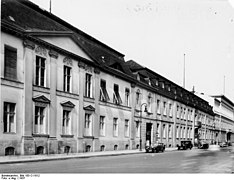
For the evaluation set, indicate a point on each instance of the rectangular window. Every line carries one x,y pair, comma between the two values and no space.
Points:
39,120
66,126
158,106
10,68
115,126
88,85
181,113
170,110
127,93
169,131
188,133
137,129
116,96
149,103
67,79
158,130
164,131
177,131
102,126
177,112
103,92
88,125
40,71
9,118
164,108
137,98
184,135
184,113
126,128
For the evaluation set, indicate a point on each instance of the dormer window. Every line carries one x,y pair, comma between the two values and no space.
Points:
163,85
156,82
169,87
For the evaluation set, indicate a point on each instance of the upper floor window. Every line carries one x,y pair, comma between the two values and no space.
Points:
67,79
115,126
103,92
177,131
88,85
164,108
169,87
127,93
156,82
169,131
102,125
158,106
164,131
158,129
116,96
66,126
9,118
88,125
170,110
178,112
40,71
10,66
149,102
138,97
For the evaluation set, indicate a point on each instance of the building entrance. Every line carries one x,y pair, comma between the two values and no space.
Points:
148,132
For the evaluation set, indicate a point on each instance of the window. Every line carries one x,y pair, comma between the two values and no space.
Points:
66,125
137,129
67,149
156,82
88,85
9,118
181,132
9,151
164,108
10,68
163,85
103,92
88,148
126,147
169,87
67,79
169,131
158,130
177,113
138,97
39,122
102,125
102,148
188,133
115,126
115,147
158,106
184,135
177,131
88,125
116,96
40,71
127,93
164,131
170,110
126,128
40,150
149,102
184,113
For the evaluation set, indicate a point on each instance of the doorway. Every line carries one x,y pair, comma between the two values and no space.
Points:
148,133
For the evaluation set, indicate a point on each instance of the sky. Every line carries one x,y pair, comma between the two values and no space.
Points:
157,34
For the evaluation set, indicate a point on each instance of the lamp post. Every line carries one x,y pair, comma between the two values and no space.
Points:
141,123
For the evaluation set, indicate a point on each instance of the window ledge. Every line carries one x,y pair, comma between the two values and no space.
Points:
41,135
90,137
10,133
66,136
11,82
41,89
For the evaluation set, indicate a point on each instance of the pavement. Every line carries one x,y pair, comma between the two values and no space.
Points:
35,158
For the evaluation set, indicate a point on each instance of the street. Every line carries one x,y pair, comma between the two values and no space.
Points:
188,161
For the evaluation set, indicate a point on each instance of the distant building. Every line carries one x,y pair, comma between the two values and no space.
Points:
63,91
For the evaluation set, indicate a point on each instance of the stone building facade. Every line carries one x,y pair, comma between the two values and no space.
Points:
63,91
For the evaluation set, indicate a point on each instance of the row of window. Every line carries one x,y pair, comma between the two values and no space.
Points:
10,72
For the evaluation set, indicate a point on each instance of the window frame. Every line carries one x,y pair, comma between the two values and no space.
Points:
126,128
66,122
40,71
88,124
102,125
8,114
67,79
9,71
127,97
88,85
103,92
115,127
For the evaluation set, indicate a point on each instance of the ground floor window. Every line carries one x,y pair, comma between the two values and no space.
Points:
40,150
102,148
9,151
88,148
115,147
126,147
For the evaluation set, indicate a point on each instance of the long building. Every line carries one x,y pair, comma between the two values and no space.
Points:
63,91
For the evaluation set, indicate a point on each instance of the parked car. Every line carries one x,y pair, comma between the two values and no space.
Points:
223,144
185,145
203,145
155,148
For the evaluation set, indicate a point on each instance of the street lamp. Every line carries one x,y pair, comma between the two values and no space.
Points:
141,122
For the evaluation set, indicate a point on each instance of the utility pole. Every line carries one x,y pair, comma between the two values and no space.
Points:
50,6
184,74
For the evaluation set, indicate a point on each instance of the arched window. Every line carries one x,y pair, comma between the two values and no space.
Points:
115,147
126,147
102,148
67,149
88,148
9,151
40,150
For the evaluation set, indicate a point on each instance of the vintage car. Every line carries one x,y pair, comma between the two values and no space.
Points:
223,144
155,148
185,145
203,145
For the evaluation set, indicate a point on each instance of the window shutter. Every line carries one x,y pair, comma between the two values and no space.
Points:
10,63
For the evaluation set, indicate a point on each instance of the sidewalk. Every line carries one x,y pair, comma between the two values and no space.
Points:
34,158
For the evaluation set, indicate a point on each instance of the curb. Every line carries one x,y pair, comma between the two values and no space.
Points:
72,157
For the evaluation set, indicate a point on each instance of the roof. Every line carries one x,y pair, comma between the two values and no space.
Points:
223,97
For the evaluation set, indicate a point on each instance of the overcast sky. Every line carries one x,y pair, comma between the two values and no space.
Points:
157,34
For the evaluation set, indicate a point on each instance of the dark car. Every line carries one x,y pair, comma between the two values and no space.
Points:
155,148
203,145
185,145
